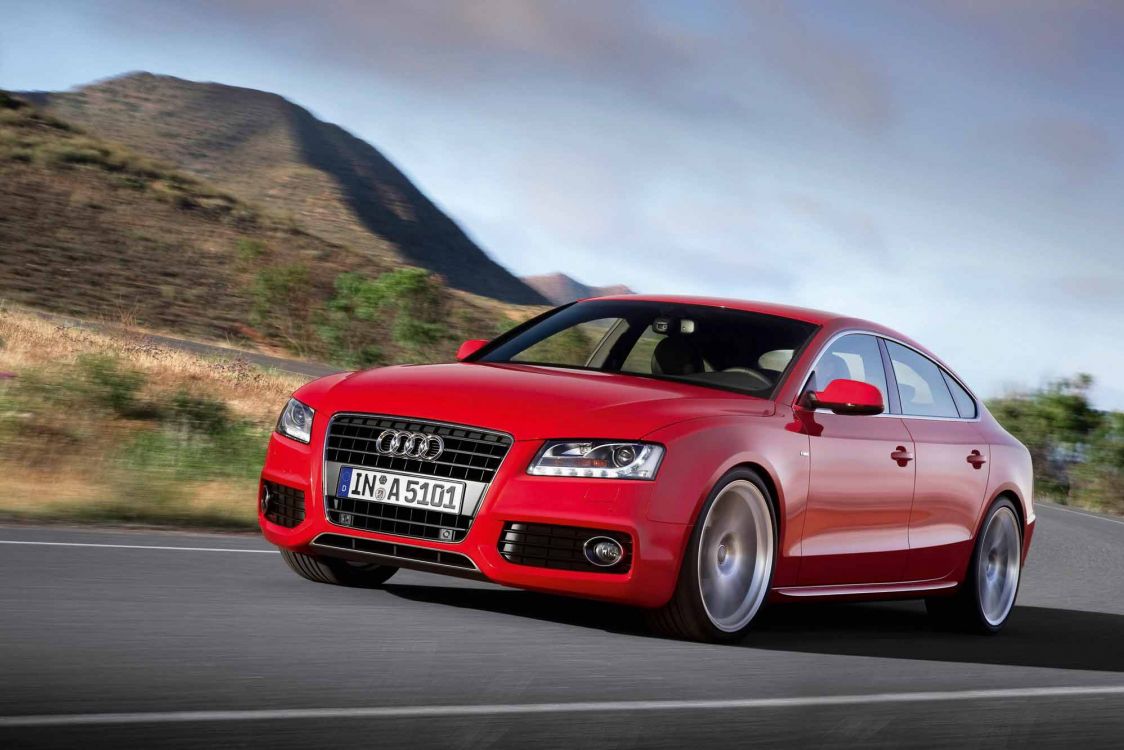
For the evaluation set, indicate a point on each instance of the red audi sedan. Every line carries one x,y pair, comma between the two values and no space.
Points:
694,457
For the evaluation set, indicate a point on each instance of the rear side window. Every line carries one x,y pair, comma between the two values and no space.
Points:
965,404
921,384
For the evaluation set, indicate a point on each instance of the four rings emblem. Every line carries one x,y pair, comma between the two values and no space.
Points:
410,444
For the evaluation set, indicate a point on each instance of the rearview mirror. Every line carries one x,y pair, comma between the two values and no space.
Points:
844,396
470,347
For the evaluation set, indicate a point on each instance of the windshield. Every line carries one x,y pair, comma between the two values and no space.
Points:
708,346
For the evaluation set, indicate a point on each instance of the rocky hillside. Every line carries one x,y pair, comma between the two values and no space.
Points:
560,288
271,152
90,228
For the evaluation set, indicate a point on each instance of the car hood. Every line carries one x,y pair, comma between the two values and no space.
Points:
528,402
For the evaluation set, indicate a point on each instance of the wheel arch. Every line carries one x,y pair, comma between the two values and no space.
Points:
773,496
1009,492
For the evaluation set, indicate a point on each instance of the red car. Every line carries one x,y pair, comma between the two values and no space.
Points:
695,457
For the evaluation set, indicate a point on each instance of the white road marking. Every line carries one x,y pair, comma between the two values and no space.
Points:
138,546
400,712
1052,506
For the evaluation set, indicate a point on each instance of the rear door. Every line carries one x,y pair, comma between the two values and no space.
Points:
952,463
859,497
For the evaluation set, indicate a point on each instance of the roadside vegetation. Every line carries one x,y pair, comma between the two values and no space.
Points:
111,428
1078,451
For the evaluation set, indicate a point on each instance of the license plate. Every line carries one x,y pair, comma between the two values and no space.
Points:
399,489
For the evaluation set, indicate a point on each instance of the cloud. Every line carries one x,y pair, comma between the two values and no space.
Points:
1079,150
855,231
840,75
727,64
1049,36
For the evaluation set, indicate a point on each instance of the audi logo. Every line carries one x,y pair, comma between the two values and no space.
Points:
410,445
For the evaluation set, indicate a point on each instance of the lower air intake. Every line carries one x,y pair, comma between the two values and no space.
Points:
560,547
282,505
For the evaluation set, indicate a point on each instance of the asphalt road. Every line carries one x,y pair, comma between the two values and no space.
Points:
136,644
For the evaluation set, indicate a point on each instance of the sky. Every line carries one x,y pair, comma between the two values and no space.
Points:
950,169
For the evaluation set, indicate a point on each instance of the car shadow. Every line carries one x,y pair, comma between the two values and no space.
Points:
1034,636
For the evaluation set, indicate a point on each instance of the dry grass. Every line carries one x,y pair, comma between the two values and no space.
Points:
250,392
69,451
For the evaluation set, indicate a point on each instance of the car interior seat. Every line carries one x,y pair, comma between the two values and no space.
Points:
676,355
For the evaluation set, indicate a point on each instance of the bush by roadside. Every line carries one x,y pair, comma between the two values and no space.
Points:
105,428
1078,451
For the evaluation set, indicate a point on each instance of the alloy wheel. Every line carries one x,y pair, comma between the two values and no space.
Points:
735,555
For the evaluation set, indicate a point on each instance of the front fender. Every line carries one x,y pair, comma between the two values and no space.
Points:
701,451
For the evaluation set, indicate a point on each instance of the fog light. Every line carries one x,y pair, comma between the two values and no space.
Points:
603,551
265,498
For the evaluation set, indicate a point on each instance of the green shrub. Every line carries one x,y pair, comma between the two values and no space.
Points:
406,305
199,414
1078,451
248,251
281,304
110,386
168,454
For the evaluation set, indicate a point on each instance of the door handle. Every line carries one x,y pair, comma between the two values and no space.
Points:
976,459
901,455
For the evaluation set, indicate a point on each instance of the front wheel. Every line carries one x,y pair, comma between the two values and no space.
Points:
726,574
337,571
986,597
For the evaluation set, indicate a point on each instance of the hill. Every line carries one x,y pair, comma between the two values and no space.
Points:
269,151
560,288
92,229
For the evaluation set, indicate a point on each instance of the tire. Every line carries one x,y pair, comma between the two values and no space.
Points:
336,571
735,542
986,597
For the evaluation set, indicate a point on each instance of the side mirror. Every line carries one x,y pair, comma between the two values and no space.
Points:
470,347
848,397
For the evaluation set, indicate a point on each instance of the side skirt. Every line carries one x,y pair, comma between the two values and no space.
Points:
901,590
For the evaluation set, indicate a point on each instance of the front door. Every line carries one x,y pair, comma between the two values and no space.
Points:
861,483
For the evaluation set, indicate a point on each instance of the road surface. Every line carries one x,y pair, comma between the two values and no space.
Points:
120,638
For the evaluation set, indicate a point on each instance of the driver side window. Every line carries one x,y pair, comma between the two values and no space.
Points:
851,357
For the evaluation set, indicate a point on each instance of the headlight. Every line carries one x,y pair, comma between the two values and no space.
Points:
296,421
608,459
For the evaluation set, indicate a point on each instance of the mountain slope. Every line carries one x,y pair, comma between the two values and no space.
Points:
560,288
272,152
92,229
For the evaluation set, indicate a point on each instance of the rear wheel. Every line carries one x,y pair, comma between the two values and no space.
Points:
728,569
336,571
986,597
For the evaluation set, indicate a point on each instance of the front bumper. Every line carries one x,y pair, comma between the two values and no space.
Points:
513,496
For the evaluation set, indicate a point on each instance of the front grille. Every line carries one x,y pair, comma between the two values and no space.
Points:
397,519
401,551
282,505
470,454
560,547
